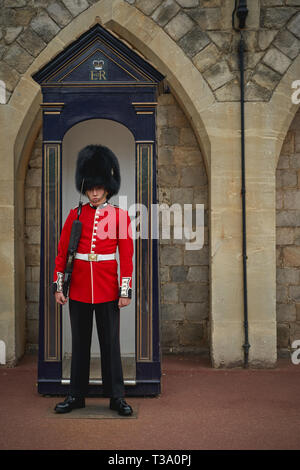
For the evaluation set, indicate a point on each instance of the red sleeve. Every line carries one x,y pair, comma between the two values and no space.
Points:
125,246
62,249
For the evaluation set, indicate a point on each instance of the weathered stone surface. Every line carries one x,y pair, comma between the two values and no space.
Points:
172,312
192,292
288,276
207,18
291,256
229,92
276,18
284,236
178,273
295,292
288,218
196,311
265,37
266,77
165,12
169,136
188,3
59,14
31,42
294,25
222,39
283,336
182,195
168,176
148,6
277,60
193,176
287,43
18,58
170,292
194,41
286,312
76,6
218,74
9,75
23,16
207,57
45,27
171,256
12,34
190,334
254,92
180,25
198,273
197,257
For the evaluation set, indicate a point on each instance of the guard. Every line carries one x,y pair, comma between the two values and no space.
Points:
94,282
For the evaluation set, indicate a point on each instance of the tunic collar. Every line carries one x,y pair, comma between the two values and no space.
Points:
104,204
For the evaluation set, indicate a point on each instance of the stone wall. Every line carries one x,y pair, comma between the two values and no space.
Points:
33,183
288,239
202,28
184,276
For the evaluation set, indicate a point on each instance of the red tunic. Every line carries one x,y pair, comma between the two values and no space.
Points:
103,231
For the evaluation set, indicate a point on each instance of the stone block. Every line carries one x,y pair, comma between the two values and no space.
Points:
289,179
168,136
34,177
222,40
266,77
165,156
254,92
191,334
24,16
18,58
30,198
229,92
172,312
291,199
285,235
182,195
291,256
188,3
194,41
178,273
147,6
297,236
171,256
164,274
277,60
31,42
207,57
288,146
265,37
33,217
294,292
193,292
295,161
288,218
59,14
187,156
283,335
197,257
12,33
44,27
169,334
198,273
76,7
207,18
165,12
294,25
287,43
170,292
276,18
281,293
193,176
288,276
187,137
32,235
196,311
218,75
283,162
32,291
168,176
32,255
286,313
180,25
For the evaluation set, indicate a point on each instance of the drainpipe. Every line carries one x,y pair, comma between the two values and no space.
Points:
241,12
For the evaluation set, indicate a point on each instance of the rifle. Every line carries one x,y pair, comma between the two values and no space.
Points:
72,248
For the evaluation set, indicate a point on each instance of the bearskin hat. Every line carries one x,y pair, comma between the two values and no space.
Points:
97,165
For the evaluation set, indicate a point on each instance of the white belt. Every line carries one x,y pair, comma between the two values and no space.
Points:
95,256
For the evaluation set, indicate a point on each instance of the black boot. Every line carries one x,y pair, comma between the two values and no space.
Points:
120,405
69,404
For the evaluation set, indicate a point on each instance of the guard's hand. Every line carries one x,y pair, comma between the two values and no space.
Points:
123,302
60,298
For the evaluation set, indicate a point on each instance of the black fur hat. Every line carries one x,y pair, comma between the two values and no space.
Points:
98,166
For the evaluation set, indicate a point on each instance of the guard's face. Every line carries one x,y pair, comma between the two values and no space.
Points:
96,195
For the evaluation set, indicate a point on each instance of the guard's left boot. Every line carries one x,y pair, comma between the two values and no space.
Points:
70,403
120,405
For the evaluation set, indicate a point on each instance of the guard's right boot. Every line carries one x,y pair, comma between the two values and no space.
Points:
69,404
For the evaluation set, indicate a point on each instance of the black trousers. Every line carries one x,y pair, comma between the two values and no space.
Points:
108,329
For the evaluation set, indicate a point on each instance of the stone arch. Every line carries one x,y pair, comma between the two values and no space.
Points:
190,89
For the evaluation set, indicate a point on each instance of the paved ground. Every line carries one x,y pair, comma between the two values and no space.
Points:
199,408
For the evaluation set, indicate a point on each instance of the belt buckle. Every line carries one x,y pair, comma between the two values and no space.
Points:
92,257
